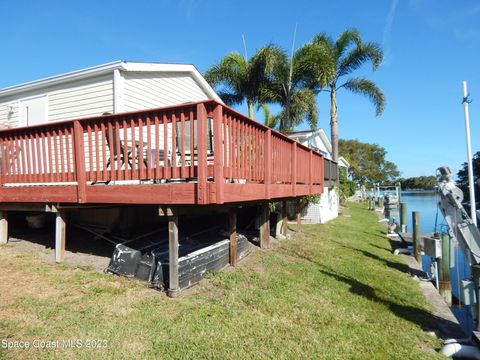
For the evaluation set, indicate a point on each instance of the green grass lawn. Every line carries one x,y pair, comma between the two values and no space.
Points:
332,291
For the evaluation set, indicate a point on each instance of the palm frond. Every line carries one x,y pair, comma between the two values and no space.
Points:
231,99
368,88
346,39
313,65
358,56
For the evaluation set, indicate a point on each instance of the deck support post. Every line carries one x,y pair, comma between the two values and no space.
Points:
60,234
173,283
284,219
264,226
232,227
3,227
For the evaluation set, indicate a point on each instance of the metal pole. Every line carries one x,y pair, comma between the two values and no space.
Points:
417,245
444,273
403,217
473,212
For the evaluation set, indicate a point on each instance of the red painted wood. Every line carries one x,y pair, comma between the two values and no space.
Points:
192,142
243,151
268,164
174,145
62,155
117,147
39,194
202,154
127,169
294,166
149,147
98,174
218,153
166,166
142,173
68,149
91,176
179,193
111,144
157,148
80,162
134,150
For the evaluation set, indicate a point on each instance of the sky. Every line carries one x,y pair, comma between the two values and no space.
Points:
430,47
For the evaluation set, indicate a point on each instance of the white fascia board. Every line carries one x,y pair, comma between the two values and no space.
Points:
58,79
325,140
341,160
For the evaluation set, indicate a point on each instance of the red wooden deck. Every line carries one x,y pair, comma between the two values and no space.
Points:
150,157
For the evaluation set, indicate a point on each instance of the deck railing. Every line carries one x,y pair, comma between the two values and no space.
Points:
204,142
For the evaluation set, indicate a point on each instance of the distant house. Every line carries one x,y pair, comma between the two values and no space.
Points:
318,141
110,88
328,207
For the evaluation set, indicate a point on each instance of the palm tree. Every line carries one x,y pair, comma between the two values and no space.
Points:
269,120
241,79
347,54
289,85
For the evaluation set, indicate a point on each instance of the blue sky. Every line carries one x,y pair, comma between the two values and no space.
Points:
430,47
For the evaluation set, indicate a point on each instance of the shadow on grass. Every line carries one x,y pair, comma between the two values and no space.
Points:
379,234
416,315
392,264
379,247
426,320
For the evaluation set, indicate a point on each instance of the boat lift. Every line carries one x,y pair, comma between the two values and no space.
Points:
463,230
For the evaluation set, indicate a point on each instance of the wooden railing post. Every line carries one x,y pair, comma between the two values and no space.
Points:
310,173
268,164
294,170
79,155
202,154
218,152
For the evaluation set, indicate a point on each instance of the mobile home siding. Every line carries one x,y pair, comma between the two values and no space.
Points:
155,89
7,117
69,100
84,98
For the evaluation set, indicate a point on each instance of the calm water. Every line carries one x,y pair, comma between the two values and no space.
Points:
426,203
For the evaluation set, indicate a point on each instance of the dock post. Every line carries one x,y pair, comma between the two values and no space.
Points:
3,227
380,203
60,235
284,218
417,240
444,273
232,227
403,217
173,283
264,226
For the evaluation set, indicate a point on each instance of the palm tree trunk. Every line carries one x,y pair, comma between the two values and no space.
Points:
250,109
334,123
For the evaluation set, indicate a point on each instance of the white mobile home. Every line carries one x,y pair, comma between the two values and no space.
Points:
110,88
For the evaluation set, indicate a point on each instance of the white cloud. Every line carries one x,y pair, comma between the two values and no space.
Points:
387,30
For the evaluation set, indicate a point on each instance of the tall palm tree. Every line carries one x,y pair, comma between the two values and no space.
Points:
241,79
347,54
289,85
